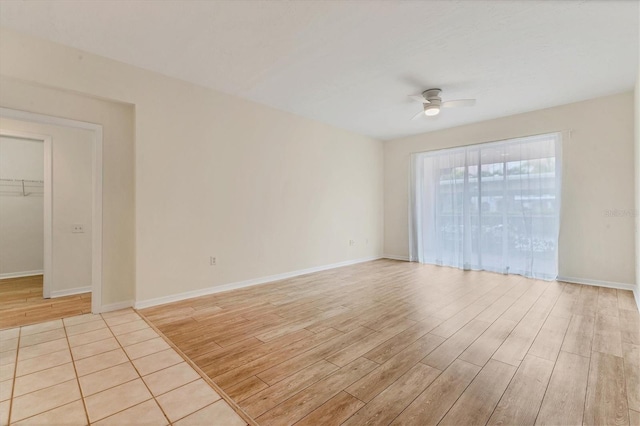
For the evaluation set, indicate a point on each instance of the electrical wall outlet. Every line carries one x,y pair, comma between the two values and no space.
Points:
352,242
212,261
77,228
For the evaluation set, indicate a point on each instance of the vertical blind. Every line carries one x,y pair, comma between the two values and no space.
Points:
493,206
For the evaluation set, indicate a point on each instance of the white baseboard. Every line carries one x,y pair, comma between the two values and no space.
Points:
598,283
21,274
394,257
70,291
608,284
248,283
116,306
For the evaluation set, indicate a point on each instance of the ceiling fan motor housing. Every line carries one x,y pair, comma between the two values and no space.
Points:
433,96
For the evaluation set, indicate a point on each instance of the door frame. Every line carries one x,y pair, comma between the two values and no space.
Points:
96,193
47,203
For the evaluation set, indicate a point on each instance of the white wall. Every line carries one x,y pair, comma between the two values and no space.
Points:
598,171
264,191
72,174
72,196
21,218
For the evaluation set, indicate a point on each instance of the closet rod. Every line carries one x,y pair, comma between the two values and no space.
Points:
21,180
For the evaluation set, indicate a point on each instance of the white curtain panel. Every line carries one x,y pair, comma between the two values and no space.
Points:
493,206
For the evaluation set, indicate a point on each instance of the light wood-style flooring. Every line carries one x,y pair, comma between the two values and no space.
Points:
21,303
389,342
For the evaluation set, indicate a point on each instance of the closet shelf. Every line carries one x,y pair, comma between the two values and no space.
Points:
21,187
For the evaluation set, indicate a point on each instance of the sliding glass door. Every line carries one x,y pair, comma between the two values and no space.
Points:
492,206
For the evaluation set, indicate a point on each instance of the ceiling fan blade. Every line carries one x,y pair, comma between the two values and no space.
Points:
421,113
419,98
458,103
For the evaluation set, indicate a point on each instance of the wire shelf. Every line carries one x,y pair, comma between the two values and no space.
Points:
21,187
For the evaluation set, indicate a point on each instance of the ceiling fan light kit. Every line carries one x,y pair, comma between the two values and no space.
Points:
431,109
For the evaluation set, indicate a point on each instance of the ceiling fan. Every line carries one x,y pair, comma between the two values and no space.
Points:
432,103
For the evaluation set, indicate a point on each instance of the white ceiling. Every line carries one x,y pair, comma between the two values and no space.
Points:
353,63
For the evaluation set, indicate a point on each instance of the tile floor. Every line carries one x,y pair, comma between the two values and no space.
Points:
109,369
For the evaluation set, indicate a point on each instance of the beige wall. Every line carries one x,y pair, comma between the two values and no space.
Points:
21,217
598,175
263,191
637,181
72,191
267,192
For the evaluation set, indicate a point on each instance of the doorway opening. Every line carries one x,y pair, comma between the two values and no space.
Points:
69,189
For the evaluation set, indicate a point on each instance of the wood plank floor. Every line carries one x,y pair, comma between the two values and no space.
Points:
388,342
21,303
